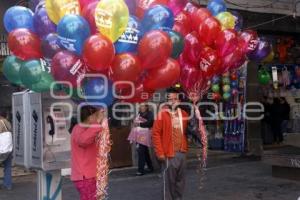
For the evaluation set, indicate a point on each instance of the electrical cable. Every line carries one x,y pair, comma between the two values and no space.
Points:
268,22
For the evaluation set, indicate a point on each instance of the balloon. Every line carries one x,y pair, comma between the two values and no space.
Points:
18,17
45,83
154,49
126,67
50,46
215,88
11,69
143,5
31,72
85,3
177,42
239,21
248,41
66,66
24,44
262,50
157,17
140,94
216,96
216,80
216,7
226,42
199,16
192,49
233,60
72,31
131,4
180,28
270,57
164,76
227,20
98,52
226,96
234,77
225,80
189,76
234,92
183,20
98,91
234,84
210,63
190,7
42,23
88,13
128,42
209,30
177,6
264,77
57,9
112,17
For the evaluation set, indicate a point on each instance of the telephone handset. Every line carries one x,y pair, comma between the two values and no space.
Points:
51,132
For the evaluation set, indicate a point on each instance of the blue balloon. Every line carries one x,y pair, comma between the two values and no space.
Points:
216,80
216,7
98,91
158,17
18,17
128,42
72,31
234,84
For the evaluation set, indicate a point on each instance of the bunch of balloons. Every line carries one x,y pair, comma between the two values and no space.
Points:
214,44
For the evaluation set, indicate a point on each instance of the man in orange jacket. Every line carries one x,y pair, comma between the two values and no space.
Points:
170,144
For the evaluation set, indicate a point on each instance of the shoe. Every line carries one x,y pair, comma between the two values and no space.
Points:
139,174
6,188
148,171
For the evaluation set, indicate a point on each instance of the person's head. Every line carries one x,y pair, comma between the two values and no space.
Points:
144,107
282,100
173,97
276,101
88,112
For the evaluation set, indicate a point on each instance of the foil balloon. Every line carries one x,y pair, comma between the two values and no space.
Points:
72,31
248,41
143,5
239,21
66,66
192,48
210,63
24,44
199,16
227,20
128,41
226,42
11,69
112,17
98,52
262,50
88,13
18,17
31,72
50,46
209,30
42,23
216,7
57,9
177,42
177,6
157,17
154,49
163,76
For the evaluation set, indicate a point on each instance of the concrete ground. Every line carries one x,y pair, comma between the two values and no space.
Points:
227,178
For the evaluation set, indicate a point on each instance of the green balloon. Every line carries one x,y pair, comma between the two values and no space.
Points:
178,43
215,88
226,80
226,96
264,77
11,69
44,85
31,72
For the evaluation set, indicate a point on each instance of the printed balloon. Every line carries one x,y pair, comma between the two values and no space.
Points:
18,17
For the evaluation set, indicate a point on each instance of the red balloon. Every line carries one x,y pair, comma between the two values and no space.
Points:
216,96
164,76
98,52
143,5
210,63
154,49
248,41
192,48
189,75
180,28
68,67
88,13
233,76
125,67
140,94
233,60
84,3
226,42
24,44
183,19
209,30
190,8
199,17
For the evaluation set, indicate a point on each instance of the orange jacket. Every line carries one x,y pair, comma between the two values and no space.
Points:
162,134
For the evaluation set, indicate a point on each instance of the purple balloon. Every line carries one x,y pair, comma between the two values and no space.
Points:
42,23
239,21
50,46
262,50
131,6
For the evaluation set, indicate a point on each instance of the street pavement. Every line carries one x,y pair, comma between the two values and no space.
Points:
227,178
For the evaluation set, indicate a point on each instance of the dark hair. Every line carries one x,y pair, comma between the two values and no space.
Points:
174,90
87,111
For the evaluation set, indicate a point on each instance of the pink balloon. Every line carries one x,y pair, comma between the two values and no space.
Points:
233,60
177,6
84,3
88,13
189,75
249,41
192,48
226,42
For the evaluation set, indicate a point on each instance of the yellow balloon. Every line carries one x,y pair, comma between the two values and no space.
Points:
111,18
57,9
270,57
227,20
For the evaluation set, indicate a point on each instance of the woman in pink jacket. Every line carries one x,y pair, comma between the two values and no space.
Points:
84,151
